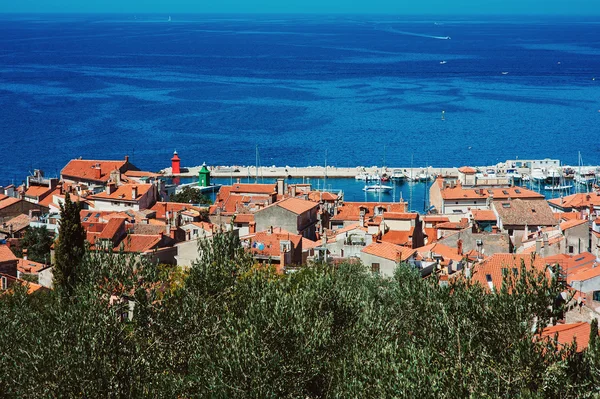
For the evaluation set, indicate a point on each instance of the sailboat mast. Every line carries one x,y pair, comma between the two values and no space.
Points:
256,181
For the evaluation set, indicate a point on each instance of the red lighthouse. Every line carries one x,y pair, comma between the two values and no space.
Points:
175,164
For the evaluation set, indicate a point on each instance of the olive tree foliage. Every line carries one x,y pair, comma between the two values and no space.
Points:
228,328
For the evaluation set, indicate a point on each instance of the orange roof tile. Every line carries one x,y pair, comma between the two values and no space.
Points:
37,191
459,193
244,218
578,201
317,196
446,252
491,269
253,188
112,228
31,287
566,333
403,238
8,201
350,211
271,242
351,227
483,215
572,223
139,243
435,218
18,223
81,169
29,266
400,216
296,205
389,251
125,192
6,254
467,170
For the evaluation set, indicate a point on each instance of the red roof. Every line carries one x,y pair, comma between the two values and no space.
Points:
446,252
6,254
467,170
37,191
389,251
459,193
491,269
579,201
400,216
125,193
271,242
81,169
139,243
296,205
317,196
112,228
29,266
403,238
161,208
8,201
483,215
252,188
350,211
244,218
572,223
566,333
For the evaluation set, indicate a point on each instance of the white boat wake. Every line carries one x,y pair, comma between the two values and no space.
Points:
401,32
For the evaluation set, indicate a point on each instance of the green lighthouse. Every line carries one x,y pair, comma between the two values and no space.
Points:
204,176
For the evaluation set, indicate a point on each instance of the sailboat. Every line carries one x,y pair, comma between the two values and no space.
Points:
169,18
378,188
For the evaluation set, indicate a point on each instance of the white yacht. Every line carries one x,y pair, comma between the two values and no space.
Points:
377,188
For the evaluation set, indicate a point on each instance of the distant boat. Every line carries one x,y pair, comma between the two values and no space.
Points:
504,73
169,18
443,62
558,187
378,188
447,38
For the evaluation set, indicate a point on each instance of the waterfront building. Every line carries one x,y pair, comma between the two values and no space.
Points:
587,204
94,174
452,198
126,196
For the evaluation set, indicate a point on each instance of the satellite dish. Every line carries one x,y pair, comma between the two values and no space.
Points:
261,246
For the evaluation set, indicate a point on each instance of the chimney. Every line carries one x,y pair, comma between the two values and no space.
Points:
459,245
280,186
127,158
97,172
110,188
270,231
361,218
538,246
25,254
134,192
494,229
252,227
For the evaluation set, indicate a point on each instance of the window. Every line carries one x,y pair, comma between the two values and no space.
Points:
571,249
505,205
375,267
596,296
504,192
488,277
515,271
518,191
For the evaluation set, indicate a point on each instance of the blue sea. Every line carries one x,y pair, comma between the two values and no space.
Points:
359,88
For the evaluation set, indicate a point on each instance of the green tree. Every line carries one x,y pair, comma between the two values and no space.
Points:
190,195
37,241
70,246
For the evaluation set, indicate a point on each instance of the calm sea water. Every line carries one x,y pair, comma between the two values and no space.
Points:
214,87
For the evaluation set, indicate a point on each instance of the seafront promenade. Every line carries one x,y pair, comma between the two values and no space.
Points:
306,171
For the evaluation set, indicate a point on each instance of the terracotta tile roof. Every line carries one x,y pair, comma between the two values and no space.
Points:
578,201
240,188
491,269
271,242
49,199
483,215
31,287
29,266
350,211
459,193
309,244
446,252
139,243
316,196
467,170
6,254
463,224
431,233
400,216
18,223
435,218
518,212
296,205
584,275
244,218
111,229
124,193
403,238
565,216
37,191
8,201
204,226
389,251
161,208
572,223
566,333
81,169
